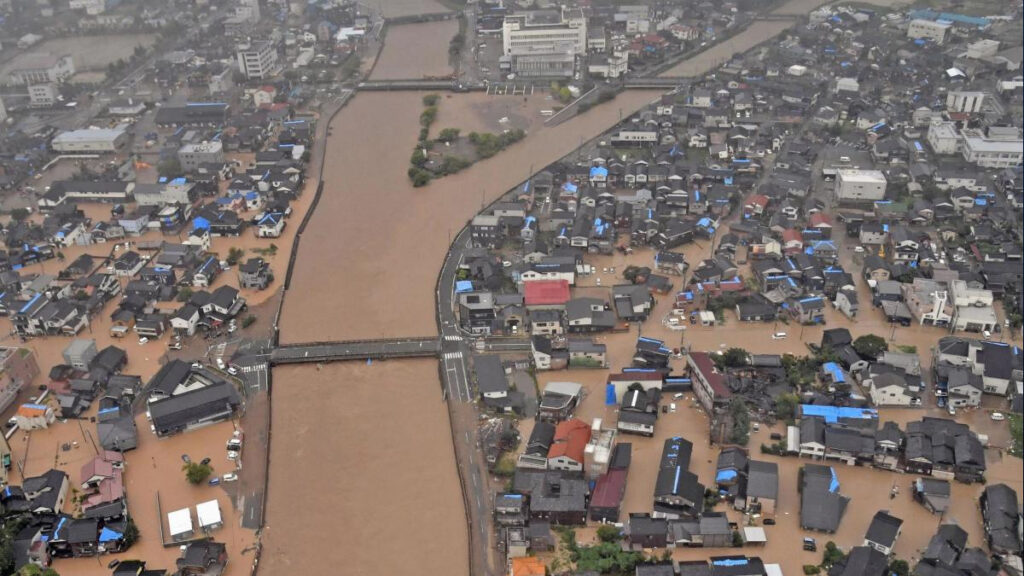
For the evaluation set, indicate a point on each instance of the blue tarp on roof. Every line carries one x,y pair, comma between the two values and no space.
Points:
834,486
835,371
108,535
200,223
569,187
834,413
609,394
463,286
598,172
731,562
725,475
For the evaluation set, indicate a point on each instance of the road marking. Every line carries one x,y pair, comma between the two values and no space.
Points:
453,338
453,355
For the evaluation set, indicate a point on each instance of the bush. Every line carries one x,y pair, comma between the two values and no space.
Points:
811,569
197,473
832,555
419,177
608,533
431,100
870,345
453,164
234,255
428,116
448,135
185,294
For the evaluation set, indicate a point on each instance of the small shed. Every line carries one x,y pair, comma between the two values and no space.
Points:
179,523
208,514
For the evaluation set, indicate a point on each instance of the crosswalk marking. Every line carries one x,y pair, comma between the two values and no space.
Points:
453,355
453,338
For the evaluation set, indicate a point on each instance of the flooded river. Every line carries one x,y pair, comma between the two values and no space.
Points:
405,58
399,8
756,33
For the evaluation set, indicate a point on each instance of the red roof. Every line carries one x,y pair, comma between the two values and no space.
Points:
758,200
546,292
792,235
820,219
571,439
702,362
609,489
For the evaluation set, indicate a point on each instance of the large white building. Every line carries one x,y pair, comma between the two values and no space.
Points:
258,59
929,30
544,42
969,101
999,147
191,156
943,138
860,185
41,68
90,141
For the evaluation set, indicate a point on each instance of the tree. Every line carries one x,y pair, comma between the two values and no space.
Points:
740,433
131,533
234,255
19,214
185,294
428,116
608,533
832,555
735,357
197,473
785,406
170,168
430,100
34,570
448,135
870,345
899,567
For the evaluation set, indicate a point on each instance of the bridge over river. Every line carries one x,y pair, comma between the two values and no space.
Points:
422,347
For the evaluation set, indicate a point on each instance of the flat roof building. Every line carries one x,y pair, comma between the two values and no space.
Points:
90,141
859,185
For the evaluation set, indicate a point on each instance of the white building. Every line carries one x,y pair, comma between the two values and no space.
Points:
860,185
982,49
191,156
90,141
544,42
91,7
943,138
611,66
847,85
258,59
969,101
209,516
929,30
1000,147
43,67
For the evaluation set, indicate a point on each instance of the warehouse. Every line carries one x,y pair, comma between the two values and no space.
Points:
90,141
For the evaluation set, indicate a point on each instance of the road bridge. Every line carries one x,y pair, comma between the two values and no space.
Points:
418,85
667,83
356,350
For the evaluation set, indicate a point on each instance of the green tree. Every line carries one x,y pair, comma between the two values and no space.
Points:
735,357
234,255
832,555
131,533
899,567
197,473
19,214
428,116
740,433
430,100
870,345
608,533
34,570
448,135
785,406
185,294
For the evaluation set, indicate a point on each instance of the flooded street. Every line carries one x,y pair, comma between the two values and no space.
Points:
371,445
371,253
406,58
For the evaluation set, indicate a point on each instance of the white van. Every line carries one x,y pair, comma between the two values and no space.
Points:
779,336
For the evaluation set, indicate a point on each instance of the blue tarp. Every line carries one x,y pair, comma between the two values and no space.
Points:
725,475
834,486
463,286
200,223
609,395
108,535
598,172
835,371
832,414
731,562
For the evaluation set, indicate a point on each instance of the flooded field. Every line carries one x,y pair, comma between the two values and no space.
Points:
371,253
407,57
371,445
90,53
722,52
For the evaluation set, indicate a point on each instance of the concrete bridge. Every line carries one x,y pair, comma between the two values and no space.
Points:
418,85
642,82
420,18
356,350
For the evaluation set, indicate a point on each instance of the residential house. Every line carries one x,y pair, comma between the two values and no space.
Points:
255,274
822,506
1000,511
883,532
567,448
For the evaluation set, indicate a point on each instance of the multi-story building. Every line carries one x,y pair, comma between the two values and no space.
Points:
191,156
42,95
544,42
998,147
929,30
943,138
258,59
41,68
860,185
969,101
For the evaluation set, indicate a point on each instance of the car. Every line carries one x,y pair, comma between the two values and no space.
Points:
858,249
12,422
664,409
197,365
756,427
998,416
779,336
232,455
205,461
113,563
810,545
220,363
776,436
186,459
143,340
951,409
214,481
232,370
672,407
677,396
229,477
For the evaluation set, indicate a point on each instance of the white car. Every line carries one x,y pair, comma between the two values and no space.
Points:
672,407
232,455
220,363
229,477
143,340
998,416
232,370
951,409
779,336
858,249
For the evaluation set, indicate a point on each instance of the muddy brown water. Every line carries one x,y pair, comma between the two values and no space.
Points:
405,57
399,8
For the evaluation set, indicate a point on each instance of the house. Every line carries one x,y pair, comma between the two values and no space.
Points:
883,532
490,378
255,274
34,417
558,401
963,387
527,566
708,384
821,504
567,448
271,225
944,448
891,389
546,294
535,454
933,494
862,561
943,551
546,322
546,356
645,531
638,411
677,491
46,493
510,509
610,488
80,353
555,496
1000,511
810,310
586,353
115,423
589,315
194,408
711,530
762,491
185,320
632,301
202,558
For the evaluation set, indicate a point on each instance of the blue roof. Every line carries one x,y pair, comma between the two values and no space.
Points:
835,371
108,535
834,413
725,475
598,171
569,186
464,286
